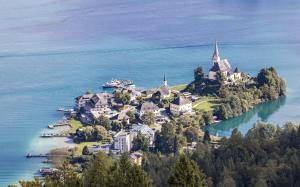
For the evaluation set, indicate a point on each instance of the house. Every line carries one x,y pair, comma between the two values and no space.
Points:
149,107
237,73
134,94
181,105
144,130
83,100
136,158
123,115
86,119
131,91
149,92
101,112
223,66
123,141
100,101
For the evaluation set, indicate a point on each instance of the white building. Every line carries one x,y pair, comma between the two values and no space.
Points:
181,106
123,141
223,66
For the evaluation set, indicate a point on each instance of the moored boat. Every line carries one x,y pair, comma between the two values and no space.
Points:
115,83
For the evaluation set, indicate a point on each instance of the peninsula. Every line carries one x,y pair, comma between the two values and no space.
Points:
133,125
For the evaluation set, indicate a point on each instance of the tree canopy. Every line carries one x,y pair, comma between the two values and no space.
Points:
185,172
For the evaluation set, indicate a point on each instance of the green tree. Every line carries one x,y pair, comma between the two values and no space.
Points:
132,116
148,118
184,120
185,172
91,133
208,117
89,92
99,133
228,181
165,140
206,137
123,98
126,174
85,150
140,143
116,126
270,83
64,177
98,171
220,78
199,74
35,183
191,134
222,112
104,121
158,167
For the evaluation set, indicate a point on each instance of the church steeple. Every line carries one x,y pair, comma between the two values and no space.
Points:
216,55
165,81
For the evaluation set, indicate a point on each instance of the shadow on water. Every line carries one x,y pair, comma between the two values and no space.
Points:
261,112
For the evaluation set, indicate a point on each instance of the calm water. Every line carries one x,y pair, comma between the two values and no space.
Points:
52,51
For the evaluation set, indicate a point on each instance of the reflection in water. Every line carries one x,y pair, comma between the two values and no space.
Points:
244,122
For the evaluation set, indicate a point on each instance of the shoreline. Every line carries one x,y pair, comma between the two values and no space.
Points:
202,104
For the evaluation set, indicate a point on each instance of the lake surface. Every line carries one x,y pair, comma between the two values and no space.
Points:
52,51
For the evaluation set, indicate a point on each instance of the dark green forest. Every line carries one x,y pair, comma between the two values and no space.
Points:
267,155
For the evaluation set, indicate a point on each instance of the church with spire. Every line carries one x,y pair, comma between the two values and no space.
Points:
164,90
223,66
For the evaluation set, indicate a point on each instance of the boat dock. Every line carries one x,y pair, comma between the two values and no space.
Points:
29,155
32,155
59,124
52,135
65,109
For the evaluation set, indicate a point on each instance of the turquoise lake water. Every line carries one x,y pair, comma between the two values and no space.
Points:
52,51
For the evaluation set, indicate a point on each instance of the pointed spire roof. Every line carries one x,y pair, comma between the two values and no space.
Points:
165,81
237,70
216,55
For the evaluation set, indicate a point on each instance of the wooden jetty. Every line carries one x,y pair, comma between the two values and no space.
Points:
29,155
52,135
32,155
66,110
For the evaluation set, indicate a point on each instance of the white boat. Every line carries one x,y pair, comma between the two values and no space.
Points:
112,84
115,83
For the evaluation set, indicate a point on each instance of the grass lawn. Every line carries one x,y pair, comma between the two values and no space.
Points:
75,124
205,104
80,146
179,87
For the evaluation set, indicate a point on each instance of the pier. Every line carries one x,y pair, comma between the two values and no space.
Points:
59,124
41,155
65,110
52,135
29,155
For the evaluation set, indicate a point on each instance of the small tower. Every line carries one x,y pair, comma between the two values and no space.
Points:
216,55
165,81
